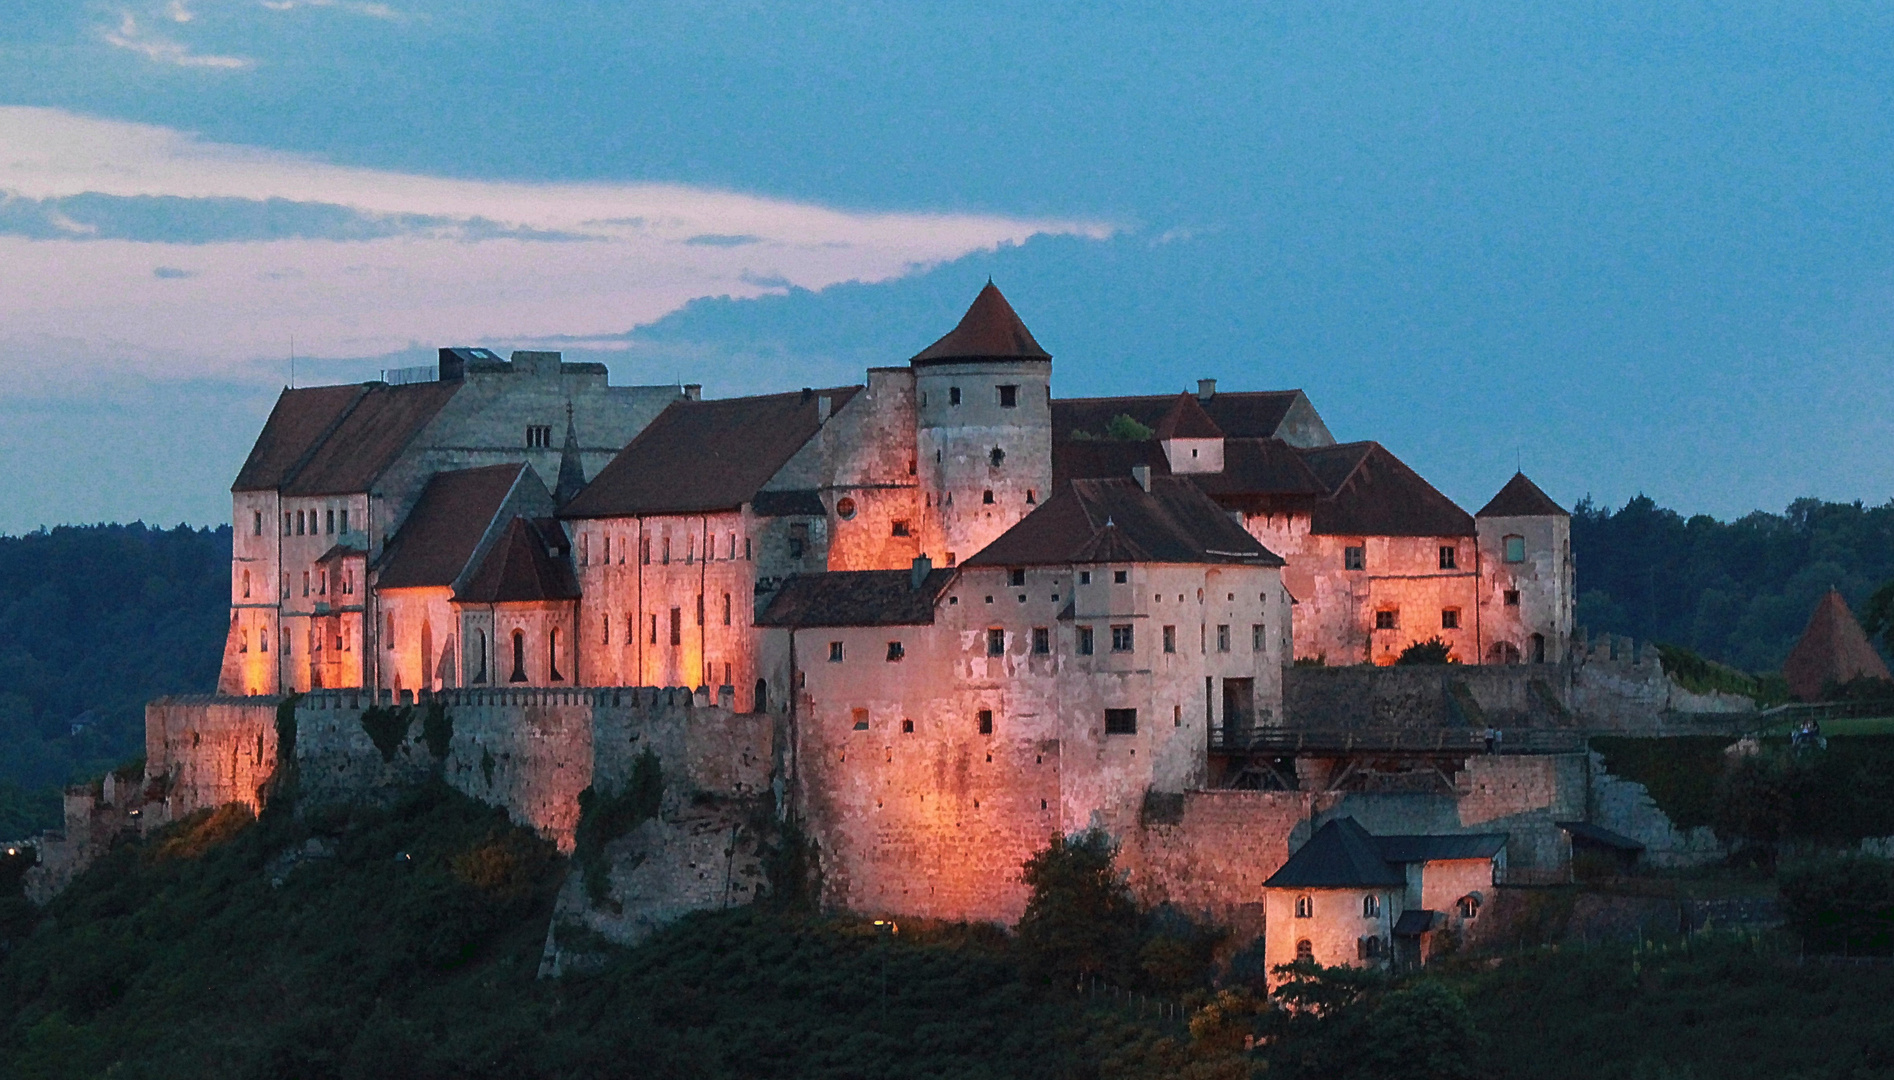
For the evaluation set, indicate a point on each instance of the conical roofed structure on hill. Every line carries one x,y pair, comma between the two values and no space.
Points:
1833,650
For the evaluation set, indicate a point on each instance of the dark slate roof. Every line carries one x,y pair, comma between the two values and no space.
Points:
856,598
801,501
1095,459
1412,849
703,456
1239,415
297,425
521,567
442,532
1521,498
1596,834
1340,855
1417,921
1832,650
1374,493
571,467
1186,420
341,551
990,330
367,439
1116,520
1259,467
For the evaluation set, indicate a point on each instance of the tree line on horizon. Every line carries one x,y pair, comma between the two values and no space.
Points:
95,620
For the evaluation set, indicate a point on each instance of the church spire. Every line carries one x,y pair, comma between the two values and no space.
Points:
571,469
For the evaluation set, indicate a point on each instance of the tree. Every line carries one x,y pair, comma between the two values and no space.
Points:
1877,615
1080,919
1842,904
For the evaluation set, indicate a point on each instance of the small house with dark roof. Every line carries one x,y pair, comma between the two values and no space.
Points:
1350,898
1093,652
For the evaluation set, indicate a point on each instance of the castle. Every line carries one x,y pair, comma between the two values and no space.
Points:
936,617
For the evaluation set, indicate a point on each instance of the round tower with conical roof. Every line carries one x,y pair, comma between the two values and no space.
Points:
984,428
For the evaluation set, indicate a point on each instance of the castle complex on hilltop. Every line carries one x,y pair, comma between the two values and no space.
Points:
937,618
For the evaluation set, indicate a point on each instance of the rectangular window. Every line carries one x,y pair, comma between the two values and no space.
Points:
285,523
286,650
1016,577
322,583
1354,558
1512,597
677,626
700,609
389,630
1009,397
1256,638
861,719
345,520
996,642
631,629
285,584
305,583
606,541
895,652
1450,618
746,549
654,629
690,550
795,547
1041,640
985,720
259,523
1223,638
726,609
1449,556
901,529
835,652
1515,549
1386,619
1121,637
1085,577
1170,639
1085,641
644,550
1119,577
299,523
328,522
605,629
1121,721
538,436
733,547
953,395
585,549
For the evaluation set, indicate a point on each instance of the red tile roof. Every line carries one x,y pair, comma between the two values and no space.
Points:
297,425
703,456
441,534
1187,420
1833,650
856,598
1239,415
1374,493
369,438
1116,520
990,330
1521,498
519,568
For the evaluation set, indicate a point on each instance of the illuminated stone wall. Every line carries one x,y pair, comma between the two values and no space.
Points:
210,749
1542,581
955,443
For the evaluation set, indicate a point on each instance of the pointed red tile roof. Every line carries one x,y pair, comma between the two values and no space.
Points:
1833,650
1522,498
520,569
990,330
1187,420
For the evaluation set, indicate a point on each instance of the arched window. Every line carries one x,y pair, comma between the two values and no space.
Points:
1370,948
246,584
1538,648
519,657
552,655
1468,906
762,696
1502,652
1371,906
243,640
1305,907
1305,952
480,656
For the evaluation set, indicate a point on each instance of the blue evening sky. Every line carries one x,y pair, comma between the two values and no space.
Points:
1639,247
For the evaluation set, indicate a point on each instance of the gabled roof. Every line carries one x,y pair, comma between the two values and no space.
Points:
856,598
1260,467
363,442
990,330
1098,459
703,456
1832,650
1239,415
1521,498
299,422
1340,855
1417,921
1186,420
443,531
1116,520
1374,493
520,568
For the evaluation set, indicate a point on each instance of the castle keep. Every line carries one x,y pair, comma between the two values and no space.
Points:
936,617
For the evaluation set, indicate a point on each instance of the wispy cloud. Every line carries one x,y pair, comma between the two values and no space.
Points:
372,10
131,36
359,262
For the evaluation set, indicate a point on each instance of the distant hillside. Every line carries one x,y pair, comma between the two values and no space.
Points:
1740,591
95,620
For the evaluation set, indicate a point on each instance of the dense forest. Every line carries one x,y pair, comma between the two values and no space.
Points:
95,620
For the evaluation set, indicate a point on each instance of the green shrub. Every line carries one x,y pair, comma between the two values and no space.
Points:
437,729
1680,773
604,818
1431,651
1079,920
1695,673
387,727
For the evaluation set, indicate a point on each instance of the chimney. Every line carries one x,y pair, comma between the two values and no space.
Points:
693,391
822,406
923,566
1206,389
1142,474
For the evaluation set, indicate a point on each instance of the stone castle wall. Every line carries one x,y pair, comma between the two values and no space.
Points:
208,750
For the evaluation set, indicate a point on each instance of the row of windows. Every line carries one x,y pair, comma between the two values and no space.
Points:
986,498
1006,395
306,522
1117,721
676,623
1513,550
1467,906
1123,640
1389,618
664,549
